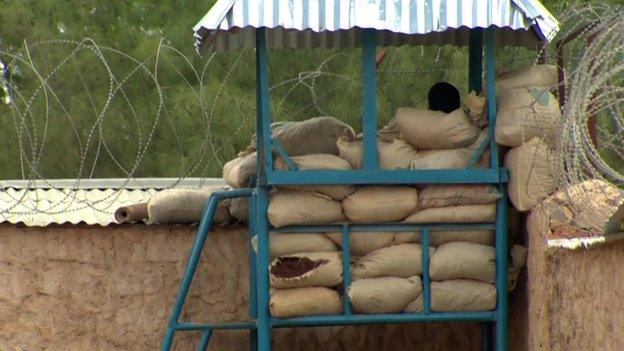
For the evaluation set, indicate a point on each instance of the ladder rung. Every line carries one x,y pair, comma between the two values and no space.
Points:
216,326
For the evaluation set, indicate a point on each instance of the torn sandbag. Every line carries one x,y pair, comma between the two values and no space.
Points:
306,269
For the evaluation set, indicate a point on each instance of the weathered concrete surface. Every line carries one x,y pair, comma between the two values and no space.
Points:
569,299
93,288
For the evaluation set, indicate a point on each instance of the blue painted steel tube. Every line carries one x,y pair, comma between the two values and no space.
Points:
191,265
253,306
486,336
205,339
346,268
265,163
215,326
491,93
475,60
369,100
426,283
387,227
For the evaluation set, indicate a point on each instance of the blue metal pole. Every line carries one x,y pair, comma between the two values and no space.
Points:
205,339
191,265
424,238
475,60
253,306
346,268
369,113
491,93
262,193
486,336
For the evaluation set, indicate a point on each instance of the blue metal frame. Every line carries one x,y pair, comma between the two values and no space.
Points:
260,322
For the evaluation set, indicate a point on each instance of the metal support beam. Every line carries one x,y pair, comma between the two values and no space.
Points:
475,61
491,96
369,100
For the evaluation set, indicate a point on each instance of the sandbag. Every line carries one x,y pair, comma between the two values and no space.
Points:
313,136
458,295
306,269
318,161
282,244
184,206
525,113
454,214
364,243
544,76
458,260
403,260
389,132
394,154
304,302
531,173
477,109
291,207
383,294
437,238
238,172
380,204
239,208
451,158
426,129
518,261
445,195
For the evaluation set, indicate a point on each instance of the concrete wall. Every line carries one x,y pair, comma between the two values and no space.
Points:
92,288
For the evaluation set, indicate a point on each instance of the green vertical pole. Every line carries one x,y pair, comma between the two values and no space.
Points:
475,60
369,113
262,194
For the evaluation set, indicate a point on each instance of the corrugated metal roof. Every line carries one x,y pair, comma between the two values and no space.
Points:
230,24
92,201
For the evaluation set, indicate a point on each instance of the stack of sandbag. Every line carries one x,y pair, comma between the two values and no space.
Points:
312,144
303,274
463,275
528,117
184,206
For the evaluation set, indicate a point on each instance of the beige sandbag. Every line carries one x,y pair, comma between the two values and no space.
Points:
451,158
318,161
383,294
239,208
518,260
445,195
184,206
437,238
380,204
389,132
281,244
458,295
394,154
306,269
477,109
531,173
458,260
454,214
426,129
363,243
403,260
313,136
290,207
239,171
544,76
525,113
304,302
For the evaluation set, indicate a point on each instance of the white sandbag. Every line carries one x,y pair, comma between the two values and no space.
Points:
437,238
531,173
184,206
304,302
426,129
383,294
364,243
454,214
477,109
238,172
281,244
525,113
458,295
544,76
457,260
394,154
451,158
445,195
318,161
380,204
313,136
291,207
239,208
403,260
306,269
